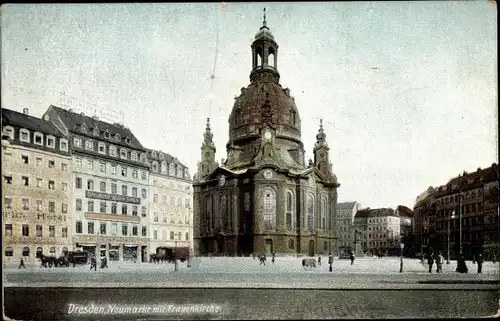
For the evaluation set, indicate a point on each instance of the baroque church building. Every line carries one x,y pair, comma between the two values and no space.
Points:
264,197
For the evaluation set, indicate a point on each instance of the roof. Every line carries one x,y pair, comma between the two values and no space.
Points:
14,118
166,157
404,211
365,212
345,205
73,121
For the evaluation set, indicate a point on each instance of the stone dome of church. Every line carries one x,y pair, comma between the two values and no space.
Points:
264,102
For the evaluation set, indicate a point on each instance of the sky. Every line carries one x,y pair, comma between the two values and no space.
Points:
407,90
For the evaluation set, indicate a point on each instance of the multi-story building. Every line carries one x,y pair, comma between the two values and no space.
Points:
406,229
36,170
461,216
421,220
361,226
383,230
110,186
345,226
170,198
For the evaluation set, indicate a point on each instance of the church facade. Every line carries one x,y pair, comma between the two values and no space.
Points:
264,197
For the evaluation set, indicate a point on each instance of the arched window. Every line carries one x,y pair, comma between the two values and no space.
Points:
208,214
52,251
171,169
291,244
247,202
310,213
39,251
269,208
26,251
323,214
179,171
9,251
155,166
163,167
223,217
290,210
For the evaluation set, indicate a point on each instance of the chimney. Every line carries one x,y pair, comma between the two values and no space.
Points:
26,111
46,117
95,118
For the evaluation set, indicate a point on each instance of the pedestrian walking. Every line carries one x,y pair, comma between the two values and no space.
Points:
479,261
430,261
351,256
319,260
21,264
439,263
262,259
274,256
93,264
461,265
330,261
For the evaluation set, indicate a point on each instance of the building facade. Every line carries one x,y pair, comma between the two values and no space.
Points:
170,202
468,206
110,186
383,230
264,197
346,231
36,188
361,226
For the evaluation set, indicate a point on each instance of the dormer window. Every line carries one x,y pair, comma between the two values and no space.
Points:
179,171
117,138
133,156
162,157
123,153
96,131
127,140
51,141
9,131
155,167
38,139
89,145
24,135
63,144
83,128
153,154
143,158
171,169
106,134
77,142
163,167
112,151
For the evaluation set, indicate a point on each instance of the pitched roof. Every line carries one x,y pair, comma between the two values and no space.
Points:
365,212
166,157
404,211
345,205
73,121
14,118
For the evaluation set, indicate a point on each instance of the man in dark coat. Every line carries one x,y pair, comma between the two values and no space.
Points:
430,261
330,261
479,261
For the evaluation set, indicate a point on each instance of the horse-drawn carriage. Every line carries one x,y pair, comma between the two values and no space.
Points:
167,254
64,260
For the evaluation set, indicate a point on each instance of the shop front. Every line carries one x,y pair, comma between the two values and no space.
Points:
114,252
130,252
89,248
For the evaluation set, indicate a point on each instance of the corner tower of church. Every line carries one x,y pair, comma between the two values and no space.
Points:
263,197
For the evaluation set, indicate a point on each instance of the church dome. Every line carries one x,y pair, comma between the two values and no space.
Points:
264,32
264,103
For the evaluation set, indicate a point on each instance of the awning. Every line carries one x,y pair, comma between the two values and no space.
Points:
130,245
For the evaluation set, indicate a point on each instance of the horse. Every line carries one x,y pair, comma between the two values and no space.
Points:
48,261
308,263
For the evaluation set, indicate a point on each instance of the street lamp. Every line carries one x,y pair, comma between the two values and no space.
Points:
448,243
175,254
402,245
460,197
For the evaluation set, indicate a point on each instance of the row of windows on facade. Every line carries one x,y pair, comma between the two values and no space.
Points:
384,220
173,170
25,230
103,208
26,251
172,220
456,198
25,181
467,222
269,211
38,162
24,136
113,229
114,171
180,187
124,191
465,209
25,204
172,236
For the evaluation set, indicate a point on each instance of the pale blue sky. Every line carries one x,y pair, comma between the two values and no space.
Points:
428,112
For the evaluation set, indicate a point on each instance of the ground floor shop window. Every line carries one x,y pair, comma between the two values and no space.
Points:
114,253
130,253
26,251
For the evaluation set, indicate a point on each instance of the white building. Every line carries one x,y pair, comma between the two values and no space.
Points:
110,184
383,229
345,226
170,199
36,188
